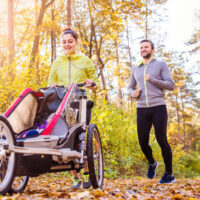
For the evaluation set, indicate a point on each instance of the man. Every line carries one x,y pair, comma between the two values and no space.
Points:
148,82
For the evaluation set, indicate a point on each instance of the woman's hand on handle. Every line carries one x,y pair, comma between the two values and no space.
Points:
53,85
91,82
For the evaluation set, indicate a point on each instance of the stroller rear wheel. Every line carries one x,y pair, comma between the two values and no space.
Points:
7,159
19,184
95,156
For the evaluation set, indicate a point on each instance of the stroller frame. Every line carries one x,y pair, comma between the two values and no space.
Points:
61,146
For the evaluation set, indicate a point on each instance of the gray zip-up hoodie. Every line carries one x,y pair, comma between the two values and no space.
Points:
152,91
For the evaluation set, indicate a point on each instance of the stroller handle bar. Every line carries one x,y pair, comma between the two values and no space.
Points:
62,86
84,84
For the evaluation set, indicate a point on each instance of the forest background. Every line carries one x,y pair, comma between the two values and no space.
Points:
30,41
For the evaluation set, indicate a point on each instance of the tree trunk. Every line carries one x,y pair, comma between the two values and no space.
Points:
177,114
53,36
44,6
129,49
91,39
100,62
69,23
146,20
118,75
36,10
11,41
130,58
184,124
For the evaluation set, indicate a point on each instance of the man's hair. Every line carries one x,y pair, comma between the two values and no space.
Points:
152,44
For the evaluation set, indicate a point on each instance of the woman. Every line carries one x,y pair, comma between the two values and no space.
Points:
72,67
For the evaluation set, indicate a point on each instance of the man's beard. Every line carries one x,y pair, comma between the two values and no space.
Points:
147,56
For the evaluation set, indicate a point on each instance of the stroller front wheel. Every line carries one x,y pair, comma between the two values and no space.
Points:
95,156
7,160
19,184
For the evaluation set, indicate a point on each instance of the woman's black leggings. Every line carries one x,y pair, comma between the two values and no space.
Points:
158,117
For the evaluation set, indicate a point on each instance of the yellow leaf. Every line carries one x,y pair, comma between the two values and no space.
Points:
177,197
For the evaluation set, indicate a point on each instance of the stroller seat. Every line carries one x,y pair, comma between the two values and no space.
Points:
22,116
32,112
35,131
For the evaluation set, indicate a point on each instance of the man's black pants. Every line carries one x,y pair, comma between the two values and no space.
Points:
156,116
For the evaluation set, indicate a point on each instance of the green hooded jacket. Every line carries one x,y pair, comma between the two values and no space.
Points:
72,69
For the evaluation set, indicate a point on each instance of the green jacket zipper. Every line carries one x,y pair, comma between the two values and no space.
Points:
145,86
69,70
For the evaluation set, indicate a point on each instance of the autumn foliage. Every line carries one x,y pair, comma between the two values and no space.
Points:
104,28
56,186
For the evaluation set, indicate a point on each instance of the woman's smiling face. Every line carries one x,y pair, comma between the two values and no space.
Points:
69,44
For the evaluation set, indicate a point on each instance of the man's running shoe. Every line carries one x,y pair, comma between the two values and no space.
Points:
86,180
152,170
167,178
76,184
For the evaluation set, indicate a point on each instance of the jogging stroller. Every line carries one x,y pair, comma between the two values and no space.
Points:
48,131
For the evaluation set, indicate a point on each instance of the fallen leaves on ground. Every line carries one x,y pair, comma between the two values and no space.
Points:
49,187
